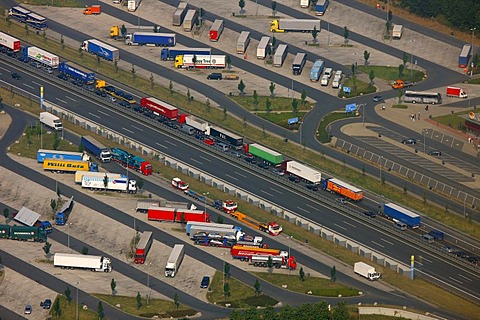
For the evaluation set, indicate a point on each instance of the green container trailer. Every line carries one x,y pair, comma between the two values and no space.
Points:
4,231
266,154
25,233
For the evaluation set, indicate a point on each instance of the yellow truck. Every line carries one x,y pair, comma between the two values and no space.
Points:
69,166
116,31
272,228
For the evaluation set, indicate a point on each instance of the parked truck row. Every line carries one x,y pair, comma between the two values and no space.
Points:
23,233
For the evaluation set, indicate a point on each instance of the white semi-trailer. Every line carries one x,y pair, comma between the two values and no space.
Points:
81,261
366,271
302,171
114,183
174,261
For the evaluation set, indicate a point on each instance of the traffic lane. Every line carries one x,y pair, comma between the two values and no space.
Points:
9,314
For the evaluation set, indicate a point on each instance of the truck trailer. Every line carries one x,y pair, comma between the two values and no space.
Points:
243,41
190,19
245,253
397,31
9,42
321,7
143,247
97,149
42,56
197,123
122,184
160,108
278,262
272,228
263,47
280,55
150,39
79,175
176,215
51,121
299,63
131,161
101,49
43,154
77,72
144,204
119,32
456,92
465,56
174,260
216,232
180,13
302,171
214,61
170,54
216,30
23,233
190,224
69,166
343,189
366,271
264,153
317,70
396,212
132,5
32,219
233,140
295,25
82,261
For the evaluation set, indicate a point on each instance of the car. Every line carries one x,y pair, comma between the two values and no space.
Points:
48,70
148,113
205,282
236,154
294,178
251,159
370,214
16,76
124,104
113,99
231,77
409,141
11,53
28,309
462,254
435,153
263,165
215,76
36,64
448,249
473,259
109,88
100,93
377,98
46,304
279,172
312,186
341,200
209,141
63,77
137,108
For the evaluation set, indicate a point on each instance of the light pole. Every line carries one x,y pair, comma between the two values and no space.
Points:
411,58
424,131
205,194
223,260
289,237
148,281
77,313
328,32
380,165
68,235
473,51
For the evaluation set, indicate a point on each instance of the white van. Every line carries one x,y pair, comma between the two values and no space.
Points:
324,81
222,146
328,72
400,225
338,73
337,80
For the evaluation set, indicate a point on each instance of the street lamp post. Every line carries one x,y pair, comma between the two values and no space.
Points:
77,313
289,237
473,36
411,58
424,131
380,165
148,281
205,194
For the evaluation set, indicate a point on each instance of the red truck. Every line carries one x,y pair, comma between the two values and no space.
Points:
456,92
143,247
278,262
177,183
9,42
160,107
216,30
177,215
245,253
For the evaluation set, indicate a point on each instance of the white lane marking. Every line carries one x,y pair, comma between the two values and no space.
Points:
173,144
127,130
423,258
386,241
70,98
195,160
351,225
267,193
277,191
38,84
455,280
311,207
232,177
6,69
61,100
378,244
464,277
161,145
241,175
104,113
341,227
206,159
137,128
94,115
27,85
304,210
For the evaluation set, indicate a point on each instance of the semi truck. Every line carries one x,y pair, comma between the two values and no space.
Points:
233,140
36,21
272,228
264,153
395,212
397,31
68,166
42,56
197,123
465,56
190,19
82,261
174,260
278,262
93,9
321,7
217,232
77,72
143,247
299,63
9,42
31,219
263,47
280,55
63,214
23,233
302,171
170,54
226,206
122,184
294,25
180,13
43,154
190,224
150,39
243,41
317,70
214,61
132,5
342,188
245,253
131,161
176,215
18,13
144,204
79,175
177,183
119,32
97,149
366,271
51,121
160,108
216,30
456,92
101,49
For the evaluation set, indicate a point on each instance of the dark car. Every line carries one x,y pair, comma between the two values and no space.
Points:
11,53
473,259
205,282
124,104
312,186
370,214
251,159
215,76
294,179
341,200
278,172
217,204
101,93
137,108
63,76
409,141
109,88
263,165
16,76
148,113
46,304
435,153
377,98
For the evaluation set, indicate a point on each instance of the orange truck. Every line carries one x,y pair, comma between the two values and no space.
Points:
343,189
272,228
94,9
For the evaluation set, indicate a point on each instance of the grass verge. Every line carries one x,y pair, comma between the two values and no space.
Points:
357,87
323,135
70,310
55,3
241,295
281,118
454,120
391,73
277,103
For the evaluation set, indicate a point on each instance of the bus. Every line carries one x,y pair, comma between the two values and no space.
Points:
423,97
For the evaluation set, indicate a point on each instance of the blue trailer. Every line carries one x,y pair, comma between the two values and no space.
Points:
464,56
317,70
170,54
75,71
18,13
36,21
101,49
150,39
96,148
395,212
43,154
321,7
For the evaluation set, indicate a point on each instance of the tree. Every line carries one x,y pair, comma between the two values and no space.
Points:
59,192
256,286
405,189
405,58
46,248
303,97
255,100
270,263
390,16
53,205
399,95
333,274
401,68
194,61
113,285
56,141
295,106
244,122
115,65
226,270
26,29
98,61
322,310
424,198
315,34
68,295
366,56
139,300
272,89
170,87
228,61
314,4
175,300
241,87
105,182
6,213
226,290
57,311
363,169
225,114
346,35
207,105
80,52
133,72
62,42
388,25
189,96
85,250
274,8
152,83
100,312
123,31
140,184
371,76
202,15
241,4
44,36
340,312
268,106
301,273
182,218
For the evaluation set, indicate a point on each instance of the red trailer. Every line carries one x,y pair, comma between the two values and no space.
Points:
160,108
143,247
192,215
9,42
216,30
177,215
344,189
161,214
245,253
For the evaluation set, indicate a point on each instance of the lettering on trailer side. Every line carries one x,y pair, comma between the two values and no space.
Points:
66,165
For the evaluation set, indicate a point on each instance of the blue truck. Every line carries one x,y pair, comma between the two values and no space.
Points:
63,214
96,148
321,7
395,212
170,54
18,13
316,70
43,154
74,71
101,49
464,56
150,39
31,219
